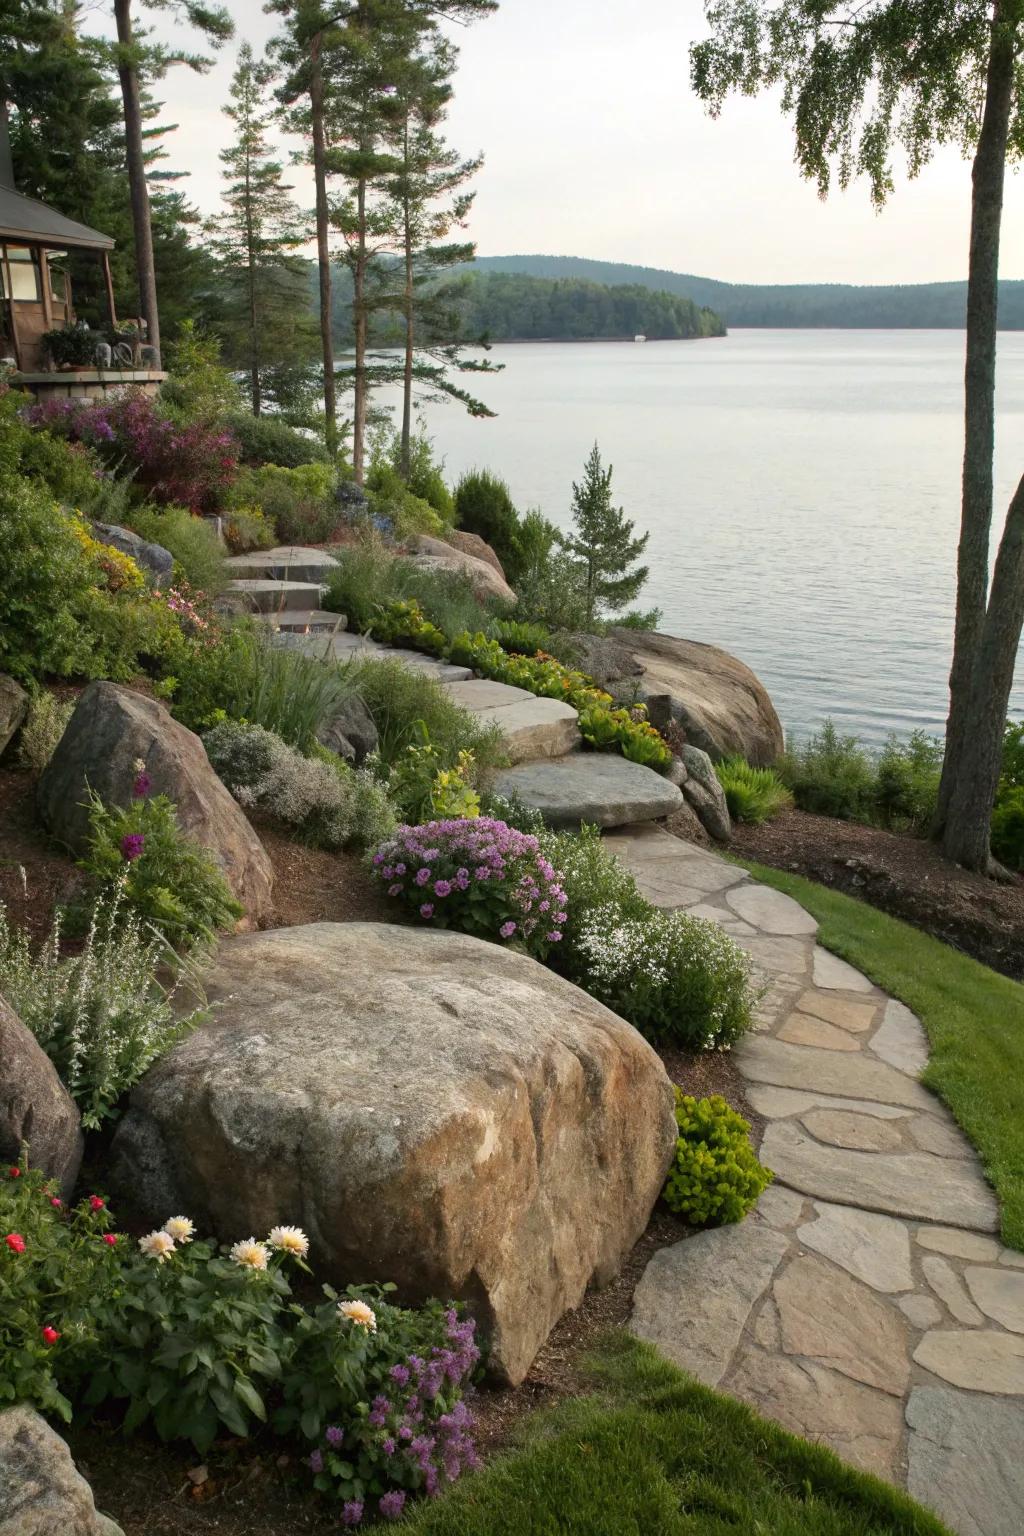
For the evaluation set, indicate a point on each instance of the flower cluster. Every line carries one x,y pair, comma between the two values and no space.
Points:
481,876
248,1253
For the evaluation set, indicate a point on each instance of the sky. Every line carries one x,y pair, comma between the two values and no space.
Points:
595,146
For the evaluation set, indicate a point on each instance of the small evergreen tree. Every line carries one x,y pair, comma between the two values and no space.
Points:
603,543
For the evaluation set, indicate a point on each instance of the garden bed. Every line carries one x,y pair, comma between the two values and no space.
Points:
901,875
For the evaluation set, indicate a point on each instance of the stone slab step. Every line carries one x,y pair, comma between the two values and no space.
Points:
268,596
592,787
288,562
479,693
534,728
350,647
300,622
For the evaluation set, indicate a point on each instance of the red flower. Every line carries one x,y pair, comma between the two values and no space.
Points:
95,1203
15,1173
110,1238
15,1242
55,1202
50,1335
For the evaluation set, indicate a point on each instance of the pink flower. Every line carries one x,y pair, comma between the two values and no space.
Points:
55,1202
95,1203
50,1335
15,1242
14,1173
132,845
427,909
110,1238
141,787
507,929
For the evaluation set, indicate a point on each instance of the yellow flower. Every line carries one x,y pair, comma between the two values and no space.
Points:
359,1313
158,1245
250,1253
289,1240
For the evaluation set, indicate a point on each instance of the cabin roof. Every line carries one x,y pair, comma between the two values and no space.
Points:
23,218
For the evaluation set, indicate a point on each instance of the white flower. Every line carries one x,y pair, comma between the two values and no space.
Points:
180,1228
359,1313
251,1253
289,1240
158,1245
139,765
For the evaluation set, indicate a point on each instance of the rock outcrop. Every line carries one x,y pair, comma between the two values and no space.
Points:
705,794
437,555
473,544
13,709
717,700
111,728
149,557
42,1493
350,731
35,1107
433,1109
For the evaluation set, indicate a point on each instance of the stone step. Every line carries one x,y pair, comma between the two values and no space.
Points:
268,596
300,622
592,787
532,727
345,646
289,562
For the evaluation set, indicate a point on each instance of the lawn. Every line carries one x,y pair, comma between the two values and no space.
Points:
974,1019
650,1452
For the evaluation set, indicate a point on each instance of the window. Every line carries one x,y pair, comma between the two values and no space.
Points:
58,279
24,273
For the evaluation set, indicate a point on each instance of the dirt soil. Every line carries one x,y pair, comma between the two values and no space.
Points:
904,876
34,873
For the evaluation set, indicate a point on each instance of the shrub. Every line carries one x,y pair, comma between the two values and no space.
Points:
484,506
551,592
328,803
1012,770
715,1176
269,440
404,704
197,551
163,877
629,731
1008,827
831,775
676,978
480,877
594,880
368,579
426,477
44,726
520,638
56,1266
199,388
100,1014
907,782
752,794
300,502
248,528
396,508
423,789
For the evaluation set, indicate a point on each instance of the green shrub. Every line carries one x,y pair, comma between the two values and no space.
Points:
300,503
404,704
1012,771
422,788
1008,827
397,507
522,639
594,881
426,477
552,593
484,506
752,794
100,1013
73,476
161,876
328,804
199,388
369,577
715,1176
44,726
831,775
907,782
198,553
627,730
269,440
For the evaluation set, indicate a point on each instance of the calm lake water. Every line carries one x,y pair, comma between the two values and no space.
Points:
801,489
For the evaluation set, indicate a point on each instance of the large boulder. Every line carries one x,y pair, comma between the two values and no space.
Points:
110,729
150,558
719,703
42,1493
473,544
436,555
432,1109
350,731
704,793
35,1107
13,709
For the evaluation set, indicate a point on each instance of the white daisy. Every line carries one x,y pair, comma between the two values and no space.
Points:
252,1254
290,1240
359,1313
180,1228
158,1245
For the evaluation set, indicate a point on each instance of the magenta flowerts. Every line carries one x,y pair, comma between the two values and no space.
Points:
480,876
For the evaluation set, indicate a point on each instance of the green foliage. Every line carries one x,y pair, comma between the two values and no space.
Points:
629,730
44,726
602,543
71,344
403,704
425,477
1012,772
197,551
550,591
164,878
392,501
752,794
522,639
715,1176
423,789
484,506
594,881
199,388
99,1012
327,803
404,623
1008,827
269,440
248,528
55,1268
831,775
299,502
368,578
907,782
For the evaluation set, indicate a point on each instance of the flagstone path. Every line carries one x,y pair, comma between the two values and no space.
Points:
867,1302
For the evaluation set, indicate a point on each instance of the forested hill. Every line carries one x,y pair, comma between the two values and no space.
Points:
512,307
923,306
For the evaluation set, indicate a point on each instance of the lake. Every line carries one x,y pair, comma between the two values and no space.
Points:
801,489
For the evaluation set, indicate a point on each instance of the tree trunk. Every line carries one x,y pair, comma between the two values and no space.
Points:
966,837
359,334
988,178
323,250
136,160
410,340
250,272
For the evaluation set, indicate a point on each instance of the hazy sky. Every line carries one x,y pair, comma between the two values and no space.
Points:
595,146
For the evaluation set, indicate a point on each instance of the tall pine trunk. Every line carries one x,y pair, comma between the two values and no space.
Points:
359,333
410,339
250,273
988,178
323,251
142,226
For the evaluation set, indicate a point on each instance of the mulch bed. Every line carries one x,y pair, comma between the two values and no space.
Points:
904,876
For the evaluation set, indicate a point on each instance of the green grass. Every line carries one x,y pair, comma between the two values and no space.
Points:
653,1453
974,1019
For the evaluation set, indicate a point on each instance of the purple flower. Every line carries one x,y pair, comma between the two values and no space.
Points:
443,888
400,1374
388,1446
422,876
132,845
483,873
427,909
142,786
507,929
379,1410
334,1436
351,1512
554,936
396,889
316,1462
392,1504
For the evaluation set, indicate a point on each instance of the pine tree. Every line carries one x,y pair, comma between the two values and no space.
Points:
265,324
603,544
